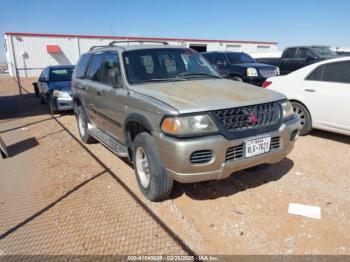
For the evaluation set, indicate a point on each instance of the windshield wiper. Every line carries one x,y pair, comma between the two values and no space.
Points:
157,80
184,74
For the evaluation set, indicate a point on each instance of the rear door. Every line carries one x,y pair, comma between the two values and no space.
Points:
108,102
90,89
288,61
327,94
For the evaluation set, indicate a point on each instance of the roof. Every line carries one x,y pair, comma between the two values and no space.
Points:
139,38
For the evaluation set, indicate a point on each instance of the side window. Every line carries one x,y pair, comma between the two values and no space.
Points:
337,72
81,66
305,53
210,57
110,69
290,53
94,72
221,59
316,75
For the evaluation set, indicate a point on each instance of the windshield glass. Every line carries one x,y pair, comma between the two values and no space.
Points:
166,64
60,75
324,51
239,58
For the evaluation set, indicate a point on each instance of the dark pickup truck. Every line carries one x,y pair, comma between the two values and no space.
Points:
241,67
297,57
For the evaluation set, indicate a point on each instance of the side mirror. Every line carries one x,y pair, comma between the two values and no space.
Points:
113,77
310,58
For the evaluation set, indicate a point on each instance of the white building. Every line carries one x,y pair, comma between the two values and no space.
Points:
28,53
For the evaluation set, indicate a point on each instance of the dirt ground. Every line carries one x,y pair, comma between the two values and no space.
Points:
59,196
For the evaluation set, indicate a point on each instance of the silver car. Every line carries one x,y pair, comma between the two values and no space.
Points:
167,110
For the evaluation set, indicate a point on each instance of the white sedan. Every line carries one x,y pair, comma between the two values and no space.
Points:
320,94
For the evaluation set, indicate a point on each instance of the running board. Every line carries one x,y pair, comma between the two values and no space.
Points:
107,141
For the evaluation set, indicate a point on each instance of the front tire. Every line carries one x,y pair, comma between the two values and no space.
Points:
153,179
82,123
304,116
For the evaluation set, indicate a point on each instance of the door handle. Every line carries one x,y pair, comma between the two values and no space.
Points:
310,90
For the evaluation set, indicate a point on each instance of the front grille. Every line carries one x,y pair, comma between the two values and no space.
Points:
268,72
249,117
234,153
201,157
275,143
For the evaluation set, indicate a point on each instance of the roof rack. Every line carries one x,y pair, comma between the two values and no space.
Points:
97,46
127,41
138,41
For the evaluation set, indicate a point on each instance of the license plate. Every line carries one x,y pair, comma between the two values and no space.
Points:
257,146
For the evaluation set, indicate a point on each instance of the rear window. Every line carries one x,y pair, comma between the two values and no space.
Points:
60,75
81,66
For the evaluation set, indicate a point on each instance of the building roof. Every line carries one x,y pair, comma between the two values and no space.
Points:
139,38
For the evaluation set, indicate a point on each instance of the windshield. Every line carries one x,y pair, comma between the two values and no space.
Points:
166,64
239,58
324,51
60,75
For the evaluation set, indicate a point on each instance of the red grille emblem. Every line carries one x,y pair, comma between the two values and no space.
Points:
253,119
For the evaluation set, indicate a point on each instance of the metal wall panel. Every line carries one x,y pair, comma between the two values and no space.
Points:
31,50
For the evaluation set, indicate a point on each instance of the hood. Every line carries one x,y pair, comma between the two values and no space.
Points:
257,65
206,95
62,86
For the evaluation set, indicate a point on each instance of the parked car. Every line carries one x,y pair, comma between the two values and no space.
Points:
240,67
320,94
167,110
297,57
54,87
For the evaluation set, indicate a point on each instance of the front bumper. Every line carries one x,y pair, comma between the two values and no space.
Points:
63,104
176,154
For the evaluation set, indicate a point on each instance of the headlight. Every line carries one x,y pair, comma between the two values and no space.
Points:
61,94
287,110
252,72
188,125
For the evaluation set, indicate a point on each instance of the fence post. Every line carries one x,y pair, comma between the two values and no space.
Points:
18,81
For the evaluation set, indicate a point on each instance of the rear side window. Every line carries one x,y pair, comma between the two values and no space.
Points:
316,75
95,68
290,53
81,66
337,72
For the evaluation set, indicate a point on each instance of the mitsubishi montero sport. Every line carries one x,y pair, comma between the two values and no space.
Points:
167,110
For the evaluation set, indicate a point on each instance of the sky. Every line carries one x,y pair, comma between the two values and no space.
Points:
287,22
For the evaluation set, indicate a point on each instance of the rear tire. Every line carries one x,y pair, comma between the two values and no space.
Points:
82,123
304,116
153,179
